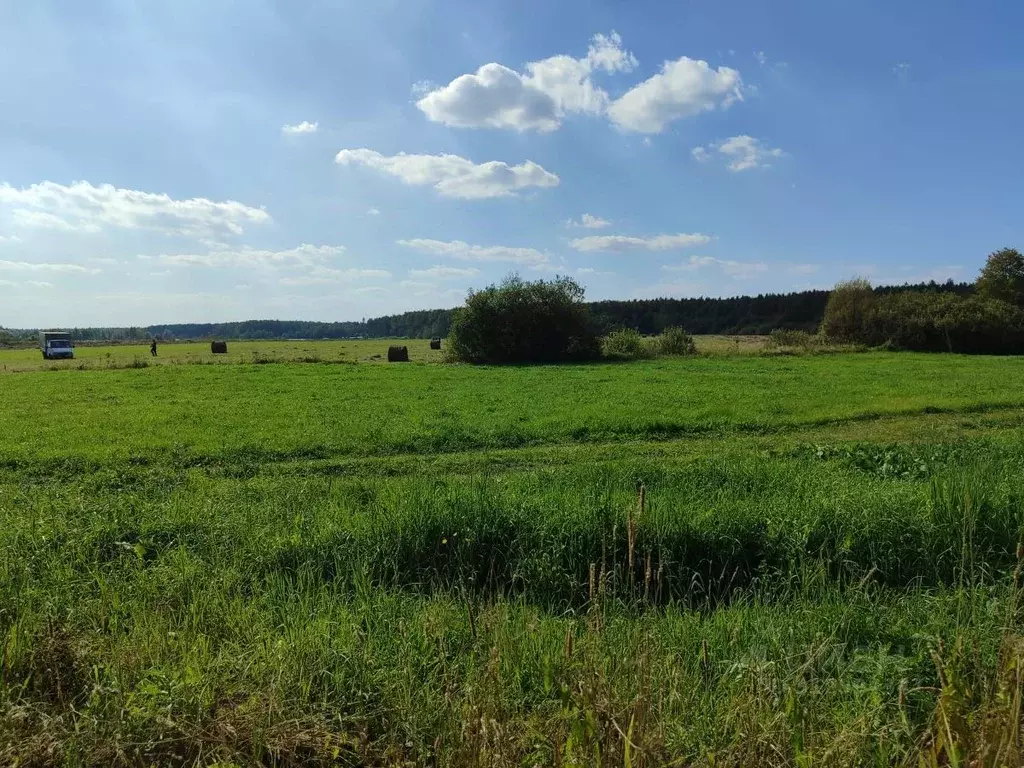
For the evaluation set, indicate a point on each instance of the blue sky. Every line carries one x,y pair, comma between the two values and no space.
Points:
206,161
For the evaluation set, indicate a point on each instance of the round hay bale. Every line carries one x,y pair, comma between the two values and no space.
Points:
219,347
398,354
435,343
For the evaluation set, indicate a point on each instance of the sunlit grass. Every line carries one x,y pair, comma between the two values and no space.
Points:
332,564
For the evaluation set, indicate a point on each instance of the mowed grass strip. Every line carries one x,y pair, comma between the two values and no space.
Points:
309,411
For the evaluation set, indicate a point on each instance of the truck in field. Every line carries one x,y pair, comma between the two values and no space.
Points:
56,345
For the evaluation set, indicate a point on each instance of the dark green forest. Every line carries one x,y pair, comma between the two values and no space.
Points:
738,315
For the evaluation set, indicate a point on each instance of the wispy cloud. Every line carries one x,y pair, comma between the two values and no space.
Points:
26,266
457,249
84,207
440,272
741,153
625,243
451,175
739,270
587,221
300,128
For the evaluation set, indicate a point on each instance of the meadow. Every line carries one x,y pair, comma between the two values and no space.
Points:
726,559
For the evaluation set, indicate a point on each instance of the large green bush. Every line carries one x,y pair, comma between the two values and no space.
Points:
625,344
519,321
676,341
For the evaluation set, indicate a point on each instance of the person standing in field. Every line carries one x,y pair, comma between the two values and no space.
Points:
152,348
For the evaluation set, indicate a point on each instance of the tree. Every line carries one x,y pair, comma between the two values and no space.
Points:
1003,277
524,322
848,311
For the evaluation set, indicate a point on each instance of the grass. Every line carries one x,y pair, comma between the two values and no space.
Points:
118,356
311,564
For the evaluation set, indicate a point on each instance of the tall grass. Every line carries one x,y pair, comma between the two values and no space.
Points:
723,601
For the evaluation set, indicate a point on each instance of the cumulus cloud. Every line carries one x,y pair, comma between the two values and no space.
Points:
684,88
496,96
83,207
589,222
452,175
457,249
740,153
440,272
26,266
303,127
624,243
739,270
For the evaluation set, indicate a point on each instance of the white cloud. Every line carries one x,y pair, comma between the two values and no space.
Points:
496,96
224,256
422,87
373,212
39,283
762,59
440,272
624,243
22,217
902,70
25,266
10,239
589,222
303,127
739,270
456,249
451,175
741,153
83,207
684,88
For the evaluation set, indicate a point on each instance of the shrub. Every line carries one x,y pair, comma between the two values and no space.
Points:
524,322
676,341
782,337
625,344
848,311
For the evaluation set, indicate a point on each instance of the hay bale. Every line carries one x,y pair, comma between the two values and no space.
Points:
435,343
219,347
398,354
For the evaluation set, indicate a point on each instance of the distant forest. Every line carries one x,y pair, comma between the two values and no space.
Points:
739,315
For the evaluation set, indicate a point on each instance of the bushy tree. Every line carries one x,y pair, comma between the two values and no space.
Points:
1002,277
848,311
625,344
676,341
520,321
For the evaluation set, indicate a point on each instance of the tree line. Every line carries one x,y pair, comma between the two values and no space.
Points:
802,310
988,319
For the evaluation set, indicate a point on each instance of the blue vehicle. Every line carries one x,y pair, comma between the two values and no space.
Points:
56,345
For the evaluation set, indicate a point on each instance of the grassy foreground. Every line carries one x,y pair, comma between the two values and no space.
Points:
304,564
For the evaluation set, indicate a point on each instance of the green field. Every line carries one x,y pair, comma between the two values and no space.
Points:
303,563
